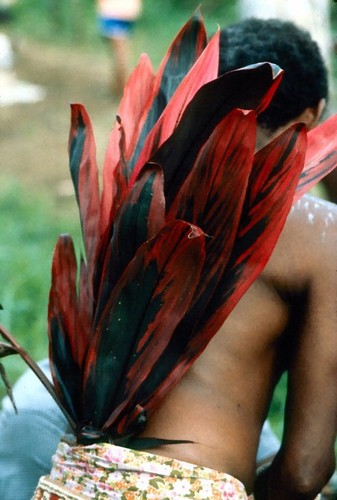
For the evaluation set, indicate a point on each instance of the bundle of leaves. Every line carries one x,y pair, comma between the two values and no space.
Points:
188,217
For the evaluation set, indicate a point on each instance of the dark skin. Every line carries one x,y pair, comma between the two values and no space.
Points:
286,322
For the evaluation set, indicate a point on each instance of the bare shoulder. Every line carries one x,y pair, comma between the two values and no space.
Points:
308,243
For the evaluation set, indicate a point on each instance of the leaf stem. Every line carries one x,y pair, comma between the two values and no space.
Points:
39,373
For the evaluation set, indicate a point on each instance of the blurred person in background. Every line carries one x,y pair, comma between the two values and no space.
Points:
116,19
13,90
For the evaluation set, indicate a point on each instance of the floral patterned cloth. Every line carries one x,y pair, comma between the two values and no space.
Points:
107,471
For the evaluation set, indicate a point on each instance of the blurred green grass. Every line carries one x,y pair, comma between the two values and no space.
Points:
30,226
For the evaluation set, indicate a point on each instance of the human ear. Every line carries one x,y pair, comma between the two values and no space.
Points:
311,116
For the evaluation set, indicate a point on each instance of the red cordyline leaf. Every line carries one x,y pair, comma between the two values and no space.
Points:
158,285
84,171
213,195
216,185
246,89
185,49
137,221
272,184
83,167
63,296
204,70
180,150
210,115
133,113
321,155
174,305
138,116
68,342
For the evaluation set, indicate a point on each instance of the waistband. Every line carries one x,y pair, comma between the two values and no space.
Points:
107,471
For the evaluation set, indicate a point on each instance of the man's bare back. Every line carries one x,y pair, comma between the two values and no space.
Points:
286,321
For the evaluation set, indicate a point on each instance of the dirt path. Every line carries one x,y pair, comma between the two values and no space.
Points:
33,137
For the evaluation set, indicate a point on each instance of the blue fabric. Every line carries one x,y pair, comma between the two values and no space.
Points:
269,443
115,28
28,440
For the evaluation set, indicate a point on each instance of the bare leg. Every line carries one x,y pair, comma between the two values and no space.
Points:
121,58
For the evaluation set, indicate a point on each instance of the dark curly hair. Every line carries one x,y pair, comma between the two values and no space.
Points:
305,79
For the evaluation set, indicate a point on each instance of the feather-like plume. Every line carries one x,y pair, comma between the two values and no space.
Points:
187,219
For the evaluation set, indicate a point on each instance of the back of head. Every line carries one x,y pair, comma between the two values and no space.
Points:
305,79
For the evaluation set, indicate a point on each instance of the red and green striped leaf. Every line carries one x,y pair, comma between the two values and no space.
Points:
244,89
184,51
63,294
142,312
138,116
213,195
204,70
321,156
140,219
132,113
272,184
67,345
83,168
66,373
153,292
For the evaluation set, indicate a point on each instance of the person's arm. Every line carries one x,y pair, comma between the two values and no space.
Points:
306,459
